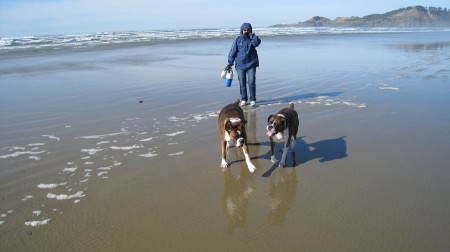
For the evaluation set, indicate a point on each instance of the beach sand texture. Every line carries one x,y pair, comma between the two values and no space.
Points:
117,149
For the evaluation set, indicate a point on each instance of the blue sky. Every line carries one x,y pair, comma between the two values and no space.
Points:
57,17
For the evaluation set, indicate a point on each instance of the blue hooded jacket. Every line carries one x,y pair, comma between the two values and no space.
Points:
243,51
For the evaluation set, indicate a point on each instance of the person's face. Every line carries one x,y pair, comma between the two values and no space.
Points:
246,31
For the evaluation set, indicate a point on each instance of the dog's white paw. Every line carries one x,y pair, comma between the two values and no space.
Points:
224,164
251,168
273,159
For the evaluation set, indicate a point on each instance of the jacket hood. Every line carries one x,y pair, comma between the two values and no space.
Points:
246,26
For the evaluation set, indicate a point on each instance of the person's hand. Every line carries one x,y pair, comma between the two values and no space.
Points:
229,66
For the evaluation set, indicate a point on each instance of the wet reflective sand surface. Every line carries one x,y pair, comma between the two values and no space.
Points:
124,155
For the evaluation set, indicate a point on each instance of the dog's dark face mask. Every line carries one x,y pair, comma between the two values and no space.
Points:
235,133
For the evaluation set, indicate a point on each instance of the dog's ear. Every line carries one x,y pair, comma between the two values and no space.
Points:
228,125
268,119
243,122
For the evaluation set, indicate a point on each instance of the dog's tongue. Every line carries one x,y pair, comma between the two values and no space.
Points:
269,133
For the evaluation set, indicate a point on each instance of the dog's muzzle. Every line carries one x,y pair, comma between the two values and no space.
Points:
271,130
240,142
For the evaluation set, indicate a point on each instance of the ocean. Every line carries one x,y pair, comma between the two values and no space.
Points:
55,42
109,142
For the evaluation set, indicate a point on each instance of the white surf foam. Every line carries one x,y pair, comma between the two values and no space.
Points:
52,137
126,147
175,133
147,139
70,169
107,168
176,154
20,153
198,118
65,196
91,151
27,197
50,186
176,119
36,144
37,223
102,173
150,154
104,136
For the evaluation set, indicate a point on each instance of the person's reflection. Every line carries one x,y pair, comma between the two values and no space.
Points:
235,197
252,141
283,186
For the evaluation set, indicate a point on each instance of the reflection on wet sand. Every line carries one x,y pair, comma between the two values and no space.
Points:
422,47
250,115
237,191
283,187
235,197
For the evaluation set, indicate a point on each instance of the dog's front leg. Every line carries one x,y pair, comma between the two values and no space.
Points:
250,165
272,149
224,154
283,157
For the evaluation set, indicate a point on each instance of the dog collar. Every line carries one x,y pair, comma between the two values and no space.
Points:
284,117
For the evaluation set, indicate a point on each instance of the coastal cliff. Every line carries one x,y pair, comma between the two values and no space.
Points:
416,16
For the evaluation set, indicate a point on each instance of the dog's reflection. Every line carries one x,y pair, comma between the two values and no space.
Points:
283,186
235,197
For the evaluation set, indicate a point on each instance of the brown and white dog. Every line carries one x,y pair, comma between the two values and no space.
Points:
282,127
232,132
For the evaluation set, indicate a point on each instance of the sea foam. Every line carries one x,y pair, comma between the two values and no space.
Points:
65,196
37,223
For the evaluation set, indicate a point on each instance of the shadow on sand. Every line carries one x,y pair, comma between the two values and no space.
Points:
324,150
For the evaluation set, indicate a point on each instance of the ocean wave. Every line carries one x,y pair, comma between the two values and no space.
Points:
30,43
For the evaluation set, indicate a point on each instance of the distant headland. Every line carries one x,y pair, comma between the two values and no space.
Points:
416,16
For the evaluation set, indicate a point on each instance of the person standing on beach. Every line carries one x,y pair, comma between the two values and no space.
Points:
243,52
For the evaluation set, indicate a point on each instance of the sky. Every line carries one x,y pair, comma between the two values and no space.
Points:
61,17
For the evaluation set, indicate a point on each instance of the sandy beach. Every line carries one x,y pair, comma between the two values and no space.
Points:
116,148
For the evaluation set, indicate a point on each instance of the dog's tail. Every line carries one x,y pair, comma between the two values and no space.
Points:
237,102
291,106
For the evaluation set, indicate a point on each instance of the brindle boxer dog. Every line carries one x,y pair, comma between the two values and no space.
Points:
282,127
232,132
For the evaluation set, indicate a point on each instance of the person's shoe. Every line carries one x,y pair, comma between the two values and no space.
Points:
243,103
253,103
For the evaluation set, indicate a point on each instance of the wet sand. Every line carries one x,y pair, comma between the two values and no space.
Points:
85,166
